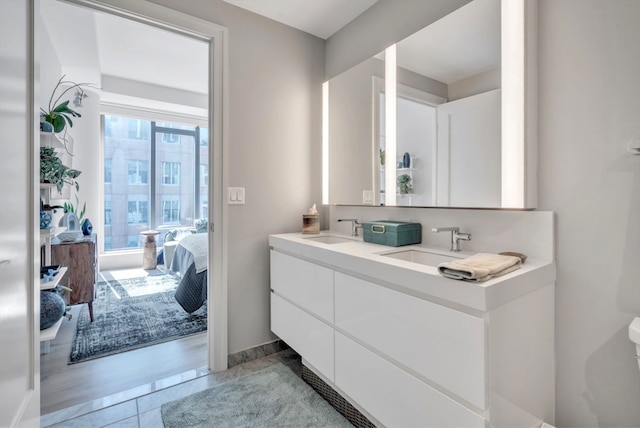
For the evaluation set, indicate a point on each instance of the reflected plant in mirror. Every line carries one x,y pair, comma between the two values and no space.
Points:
404,184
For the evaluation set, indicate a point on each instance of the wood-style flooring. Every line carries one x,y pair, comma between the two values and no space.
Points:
63,385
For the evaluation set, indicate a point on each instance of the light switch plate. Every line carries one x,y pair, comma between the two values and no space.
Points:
235,195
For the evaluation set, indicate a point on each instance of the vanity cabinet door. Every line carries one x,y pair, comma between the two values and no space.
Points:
307,335
393,396
441,345
305,284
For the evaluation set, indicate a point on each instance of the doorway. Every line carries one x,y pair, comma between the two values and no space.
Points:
214,37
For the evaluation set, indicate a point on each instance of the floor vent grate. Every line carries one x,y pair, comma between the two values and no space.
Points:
345,408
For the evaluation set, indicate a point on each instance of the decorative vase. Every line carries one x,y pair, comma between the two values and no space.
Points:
52,308
45,219
70,221
406,160
44,125
87,227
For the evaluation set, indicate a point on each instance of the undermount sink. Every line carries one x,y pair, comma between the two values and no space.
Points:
329,239
421,257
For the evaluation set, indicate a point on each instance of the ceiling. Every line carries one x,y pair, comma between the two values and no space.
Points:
462,44
119,47
113,46
322,18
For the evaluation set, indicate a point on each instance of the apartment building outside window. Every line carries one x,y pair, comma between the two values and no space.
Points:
171,173
155,177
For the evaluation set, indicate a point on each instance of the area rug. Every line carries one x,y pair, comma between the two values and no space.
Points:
271,397
130,314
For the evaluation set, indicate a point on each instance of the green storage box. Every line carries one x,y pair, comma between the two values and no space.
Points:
392,233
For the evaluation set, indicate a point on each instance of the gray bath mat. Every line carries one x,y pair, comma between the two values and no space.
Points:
272,397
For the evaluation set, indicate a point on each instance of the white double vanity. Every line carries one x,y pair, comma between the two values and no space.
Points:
408,347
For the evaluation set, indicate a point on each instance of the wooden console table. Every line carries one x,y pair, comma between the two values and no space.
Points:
81,259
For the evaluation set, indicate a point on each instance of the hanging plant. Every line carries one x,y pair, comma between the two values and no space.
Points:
53,171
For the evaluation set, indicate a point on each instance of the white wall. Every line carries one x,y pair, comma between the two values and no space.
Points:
275,90
589,106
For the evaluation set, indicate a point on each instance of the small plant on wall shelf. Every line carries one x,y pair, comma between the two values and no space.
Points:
404,184
53,171
58,113
69,207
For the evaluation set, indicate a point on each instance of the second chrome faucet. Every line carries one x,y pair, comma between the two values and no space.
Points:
355,225
456,236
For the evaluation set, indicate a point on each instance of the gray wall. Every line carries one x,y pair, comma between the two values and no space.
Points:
589,107
275,91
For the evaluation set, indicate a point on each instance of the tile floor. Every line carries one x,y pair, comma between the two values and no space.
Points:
140,407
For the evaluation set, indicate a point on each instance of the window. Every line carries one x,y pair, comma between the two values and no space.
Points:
107,170
138,172
170,138
170,172
107,210
204,137
204,207
138,209
204,174
170,209
133,241
137,129
152,183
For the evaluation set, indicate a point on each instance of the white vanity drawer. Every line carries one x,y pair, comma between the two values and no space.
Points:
391,395
308,285
308,336
443,345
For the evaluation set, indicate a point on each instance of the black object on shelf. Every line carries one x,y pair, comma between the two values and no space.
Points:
406,160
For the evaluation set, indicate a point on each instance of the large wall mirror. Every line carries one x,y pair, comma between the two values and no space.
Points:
424,123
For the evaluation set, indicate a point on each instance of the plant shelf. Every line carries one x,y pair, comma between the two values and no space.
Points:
51,332
49,139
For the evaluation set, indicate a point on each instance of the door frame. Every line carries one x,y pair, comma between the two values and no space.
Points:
216,37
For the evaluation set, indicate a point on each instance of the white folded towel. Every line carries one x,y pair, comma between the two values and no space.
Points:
479,267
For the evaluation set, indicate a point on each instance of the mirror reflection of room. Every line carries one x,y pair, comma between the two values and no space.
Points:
448,118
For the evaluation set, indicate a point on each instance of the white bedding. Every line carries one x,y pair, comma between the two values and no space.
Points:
198,245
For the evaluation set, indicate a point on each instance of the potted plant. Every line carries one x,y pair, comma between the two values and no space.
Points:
404,184
53,171
59,113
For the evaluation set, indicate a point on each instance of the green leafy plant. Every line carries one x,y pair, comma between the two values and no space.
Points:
75,209
382,156
59,114
404,184
52,170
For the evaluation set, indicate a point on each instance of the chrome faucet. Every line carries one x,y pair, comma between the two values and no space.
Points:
456,236
355,225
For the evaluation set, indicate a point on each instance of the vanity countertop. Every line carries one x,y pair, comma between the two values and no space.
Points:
366,260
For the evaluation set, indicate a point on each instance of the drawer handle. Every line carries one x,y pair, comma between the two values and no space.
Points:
377,228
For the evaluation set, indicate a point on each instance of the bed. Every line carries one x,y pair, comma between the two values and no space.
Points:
190,263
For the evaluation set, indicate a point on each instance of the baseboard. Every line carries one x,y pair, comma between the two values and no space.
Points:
256,352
